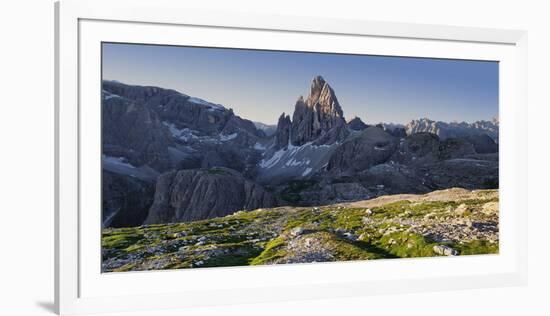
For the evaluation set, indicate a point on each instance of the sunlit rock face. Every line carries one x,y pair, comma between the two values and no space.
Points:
319,118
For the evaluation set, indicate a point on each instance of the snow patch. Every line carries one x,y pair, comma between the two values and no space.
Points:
118,161
211,106
184,134
225,138
306,172
273,160
293,162
259,146
108,95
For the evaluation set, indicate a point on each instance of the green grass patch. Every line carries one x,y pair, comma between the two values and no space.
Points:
273,251
407,245
477,247
292,190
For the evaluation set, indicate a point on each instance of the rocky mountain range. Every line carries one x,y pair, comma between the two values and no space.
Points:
169,157
454,129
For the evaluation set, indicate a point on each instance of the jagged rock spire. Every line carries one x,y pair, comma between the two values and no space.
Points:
319,118
282,135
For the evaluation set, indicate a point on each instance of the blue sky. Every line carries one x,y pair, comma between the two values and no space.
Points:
260,85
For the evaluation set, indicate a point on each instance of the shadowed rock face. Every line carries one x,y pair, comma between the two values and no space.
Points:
483,144
189,195
452,148
418,148
131,130
282,135
319,118
357,124
373,146
126,200
182,110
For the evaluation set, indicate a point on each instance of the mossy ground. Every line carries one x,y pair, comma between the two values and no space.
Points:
400,229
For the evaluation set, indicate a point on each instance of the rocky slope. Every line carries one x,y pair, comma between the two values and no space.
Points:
443,223
188,195
356,124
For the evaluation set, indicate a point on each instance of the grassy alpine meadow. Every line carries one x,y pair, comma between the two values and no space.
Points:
451,222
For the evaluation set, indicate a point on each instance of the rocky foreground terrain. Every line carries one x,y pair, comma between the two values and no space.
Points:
447,222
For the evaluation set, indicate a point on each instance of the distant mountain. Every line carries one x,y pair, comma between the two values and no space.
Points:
357,124
170,157
454,129
266,128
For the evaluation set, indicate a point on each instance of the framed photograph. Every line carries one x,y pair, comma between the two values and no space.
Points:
209,157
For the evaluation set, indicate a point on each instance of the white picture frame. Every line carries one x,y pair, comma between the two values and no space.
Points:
81,26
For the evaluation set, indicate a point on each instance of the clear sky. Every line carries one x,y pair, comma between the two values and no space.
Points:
260,85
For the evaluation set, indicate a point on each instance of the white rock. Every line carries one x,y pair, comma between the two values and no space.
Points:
445,250
350,236
297,231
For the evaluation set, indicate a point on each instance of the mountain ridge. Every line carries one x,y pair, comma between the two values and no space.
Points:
313,156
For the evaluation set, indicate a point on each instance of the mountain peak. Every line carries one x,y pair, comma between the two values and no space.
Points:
320,118
322,98
318,82
357,124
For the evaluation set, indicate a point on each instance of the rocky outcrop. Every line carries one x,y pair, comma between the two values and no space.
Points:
483,144
373,146
282,136
126,200
319,118
417,149
190,195
357,124
452,148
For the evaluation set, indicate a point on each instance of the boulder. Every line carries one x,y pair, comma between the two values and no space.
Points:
445,250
